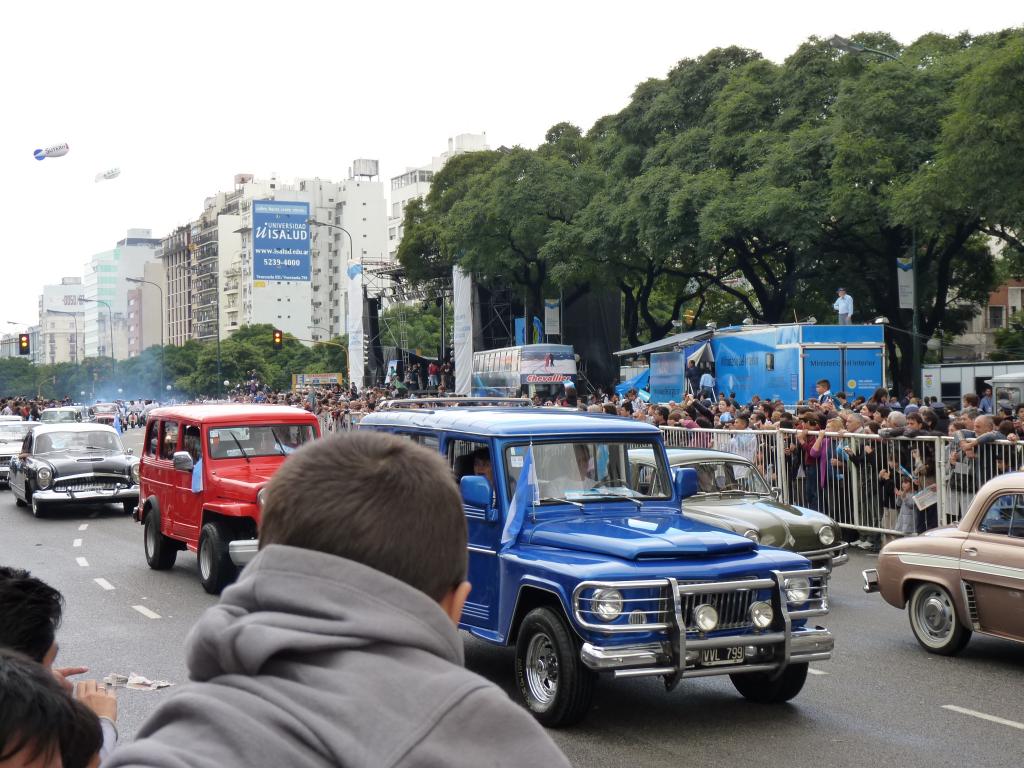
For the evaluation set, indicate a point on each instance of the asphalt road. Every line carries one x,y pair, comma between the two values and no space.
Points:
881,700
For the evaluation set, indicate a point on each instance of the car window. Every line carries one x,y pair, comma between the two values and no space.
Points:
1005,516
191,442
169,440
470,457
152,440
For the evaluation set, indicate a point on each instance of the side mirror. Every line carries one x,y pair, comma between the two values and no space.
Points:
685,482
477,495
777,493
183,461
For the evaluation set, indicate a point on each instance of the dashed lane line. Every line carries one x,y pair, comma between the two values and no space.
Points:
83,526
104,583
76,543
984,716
82,562
146,612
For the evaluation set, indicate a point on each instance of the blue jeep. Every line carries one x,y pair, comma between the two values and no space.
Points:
584,563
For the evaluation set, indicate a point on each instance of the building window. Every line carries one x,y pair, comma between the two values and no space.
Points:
995,317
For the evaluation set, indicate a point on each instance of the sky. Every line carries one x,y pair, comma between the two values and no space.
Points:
183,95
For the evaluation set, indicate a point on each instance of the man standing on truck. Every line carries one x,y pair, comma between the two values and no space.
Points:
844,306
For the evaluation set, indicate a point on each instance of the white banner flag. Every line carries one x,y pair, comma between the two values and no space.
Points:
354,324
552,317
462,331
905,281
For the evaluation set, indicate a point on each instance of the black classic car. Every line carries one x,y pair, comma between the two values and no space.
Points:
72,464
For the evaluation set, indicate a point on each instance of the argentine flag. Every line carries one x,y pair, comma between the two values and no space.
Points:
117,423
527,494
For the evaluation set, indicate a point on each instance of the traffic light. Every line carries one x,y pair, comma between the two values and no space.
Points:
278,339
24,346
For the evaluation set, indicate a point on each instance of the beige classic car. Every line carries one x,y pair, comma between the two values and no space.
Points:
958,580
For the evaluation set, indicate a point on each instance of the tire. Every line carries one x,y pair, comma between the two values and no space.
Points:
216,570
765,688
934,622
18,502
161,551
553,683
38,508
129,507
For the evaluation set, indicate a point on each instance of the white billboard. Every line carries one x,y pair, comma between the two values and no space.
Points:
63,298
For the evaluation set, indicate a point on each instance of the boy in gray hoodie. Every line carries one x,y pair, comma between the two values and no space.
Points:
338,644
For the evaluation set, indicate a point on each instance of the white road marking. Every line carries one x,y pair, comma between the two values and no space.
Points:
104,583
82,562
984,716
146,612
83,526
76,543
813,671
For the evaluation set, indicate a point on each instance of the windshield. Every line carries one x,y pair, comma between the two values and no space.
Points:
719,476
57,416
11,431
104,408
257,440
98,441
583,471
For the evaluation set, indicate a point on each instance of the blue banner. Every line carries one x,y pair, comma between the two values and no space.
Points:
280,241
668,384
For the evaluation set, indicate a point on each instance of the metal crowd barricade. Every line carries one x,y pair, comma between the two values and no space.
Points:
342,422
857,479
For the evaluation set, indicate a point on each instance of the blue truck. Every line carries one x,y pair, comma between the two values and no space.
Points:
585,564
772,361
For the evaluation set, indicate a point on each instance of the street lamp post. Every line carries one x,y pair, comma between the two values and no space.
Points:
162,317
844,44
110,320
351,258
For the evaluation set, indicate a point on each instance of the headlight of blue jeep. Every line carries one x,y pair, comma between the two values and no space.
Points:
798,589
44,475
606,604
826,535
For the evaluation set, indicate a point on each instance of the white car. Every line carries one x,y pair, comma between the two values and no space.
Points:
12,437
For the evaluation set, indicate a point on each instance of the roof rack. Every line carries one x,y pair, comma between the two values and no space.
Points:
449,402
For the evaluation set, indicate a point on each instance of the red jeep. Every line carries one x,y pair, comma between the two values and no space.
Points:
203,468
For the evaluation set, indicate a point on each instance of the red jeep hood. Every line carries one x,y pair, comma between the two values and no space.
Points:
243,480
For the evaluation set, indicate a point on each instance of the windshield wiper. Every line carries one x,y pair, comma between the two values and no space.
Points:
277,440
563,501
240,448
639,504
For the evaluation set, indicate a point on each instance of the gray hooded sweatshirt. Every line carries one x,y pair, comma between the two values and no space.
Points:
314,660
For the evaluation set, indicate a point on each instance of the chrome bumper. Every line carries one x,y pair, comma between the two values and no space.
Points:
870,580
243,550
130,493
829,557
763,653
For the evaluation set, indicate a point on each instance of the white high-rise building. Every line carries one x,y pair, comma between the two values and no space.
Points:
61,323
415,183
106,292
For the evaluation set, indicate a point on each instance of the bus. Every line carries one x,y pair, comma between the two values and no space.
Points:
527,370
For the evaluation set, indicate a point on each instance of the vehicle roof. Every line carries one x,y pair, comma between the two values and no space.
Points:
510,422
65,408
231,412
11,418
73,426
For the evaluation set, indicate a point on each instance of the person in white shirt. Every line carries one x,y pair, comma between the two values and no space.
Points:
844,306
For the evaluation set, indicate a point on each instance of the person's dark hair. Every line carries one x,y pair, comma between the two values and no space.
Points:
880,395
662,411
971,400
375,499
31,611
40,717
825,383
703,422
610,409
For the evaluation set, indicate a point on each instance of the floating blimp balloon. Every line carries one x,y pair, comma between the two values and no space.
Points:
113,173
56,151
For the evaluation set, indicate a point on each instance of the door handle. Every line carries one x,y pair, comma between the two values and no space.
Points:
970,551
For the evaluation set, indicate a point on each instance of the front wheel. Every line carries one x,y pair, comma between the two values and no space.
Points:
554,684
216,570
38,509
129,507
766,688
161,551
933,621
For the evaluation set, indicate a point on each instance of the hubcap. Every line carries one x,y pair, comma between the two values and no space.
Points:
542,669
150,538
936,616
205,559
